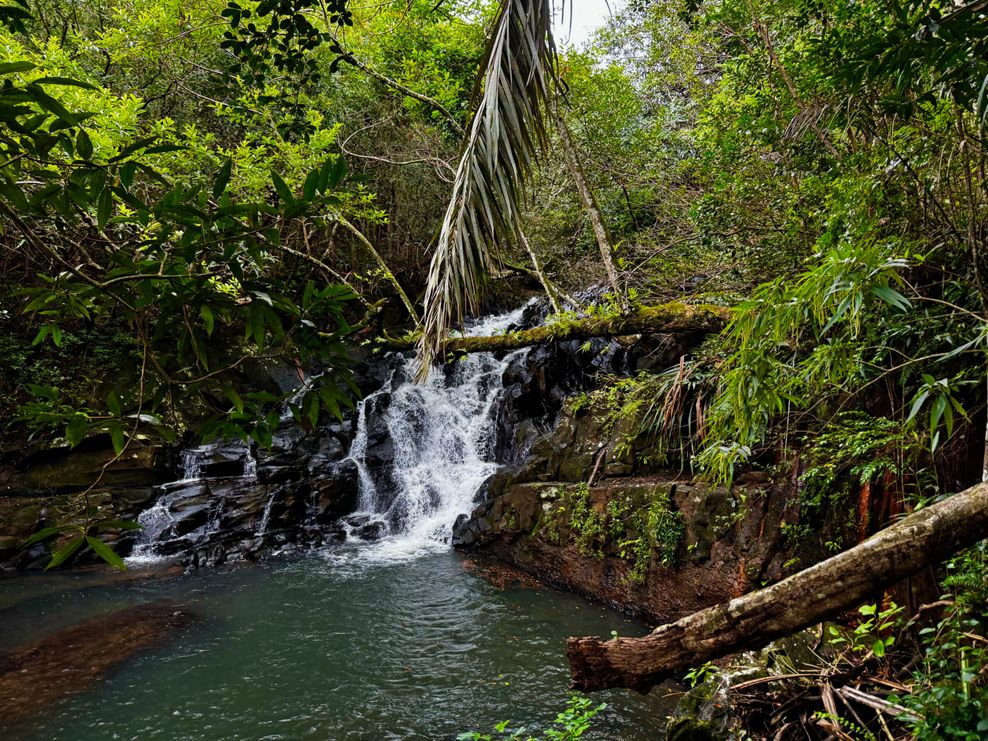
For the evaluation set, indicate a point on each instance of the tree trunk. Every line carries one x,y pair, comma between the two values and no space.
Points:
546,285
671,317
383,266
750,622
590,206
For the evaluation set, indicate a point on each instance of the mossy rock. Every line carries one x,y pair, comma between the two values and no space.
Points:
693,729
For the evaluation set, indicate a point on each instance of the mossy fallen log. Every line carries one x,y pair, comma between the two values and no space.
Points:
752,621
674,316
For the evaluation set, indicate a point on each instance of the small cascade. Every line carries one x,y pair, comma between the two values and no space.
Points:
191,463
418,457
186,511
439,439
250,464
216,460
262,525
155,522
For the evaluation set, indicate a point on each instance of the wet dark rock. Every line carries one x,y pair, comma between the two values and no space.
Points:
336,492
365,527
62,470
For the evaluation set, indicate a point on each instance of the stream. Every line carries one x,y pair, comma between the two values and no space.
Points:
390,635
334,646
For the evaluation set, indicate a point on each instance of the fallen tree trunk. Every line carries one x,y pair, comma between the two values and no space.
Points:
848,579
672,317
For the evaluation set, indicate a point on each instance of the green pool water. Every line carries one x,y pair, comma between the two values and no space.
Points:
339,645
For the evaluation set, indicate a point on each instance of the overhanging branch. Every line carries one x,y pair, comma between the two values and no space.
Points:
671,317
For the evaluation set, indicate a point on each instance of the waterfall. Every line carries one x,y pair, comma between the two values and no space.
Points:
155,522
438,441
421,453
191,464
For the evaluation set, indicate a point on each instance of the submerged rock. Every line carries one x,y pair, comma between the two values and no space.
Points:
68,662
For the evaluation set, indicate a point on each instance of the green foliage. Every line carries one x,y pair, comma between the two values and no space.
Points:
949,689
586,523
701,674
872,633
852,728
173,263
659,416
635,528
795,340
570,724
942,397
856,448
80,534
920,52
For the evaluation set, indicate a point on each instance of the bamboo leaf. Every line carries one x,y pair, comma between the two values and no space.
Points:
106,553
43,534
65,553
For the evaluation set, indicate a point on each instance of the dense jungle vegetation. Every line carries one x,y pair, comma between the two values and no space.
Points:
192,188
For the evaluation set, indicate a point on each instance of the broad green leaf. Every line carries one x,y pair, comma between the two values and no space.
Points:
892,297
44,534
40,336
117,438
234,397
83,145
53,106
104,208
131,148
222,178
281,187
65,553
9,68
64,81
208,319
127,171
918,402
76,429
331,173
310,186
106,553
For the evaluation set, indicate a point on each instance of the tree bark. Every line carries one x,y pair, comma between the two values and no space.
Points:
671,317
546,285
590,206
752,621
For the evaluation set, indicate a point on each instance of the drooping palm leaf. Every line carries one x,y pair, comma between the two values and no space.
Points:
507,133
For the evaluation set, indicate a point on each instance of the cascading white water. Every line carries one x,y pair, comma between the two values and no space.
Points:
443,434
191,467
154,522
158,520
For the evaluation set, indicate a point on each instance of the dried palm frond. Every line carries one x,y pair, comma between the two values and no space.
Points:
507,133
